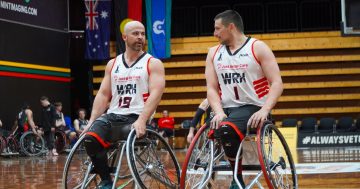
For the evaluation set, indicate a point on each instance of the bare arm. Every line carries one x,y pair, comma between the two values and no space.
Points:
103,96
272,73
77,126
212,84
63,120
156,89
31,122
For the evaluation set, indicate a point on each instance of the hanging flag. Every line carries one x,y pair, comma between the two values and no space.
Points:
125,11
97,33
158,25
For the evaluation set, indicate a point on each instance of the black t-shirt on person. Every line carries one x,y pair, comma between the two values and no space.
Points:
48,117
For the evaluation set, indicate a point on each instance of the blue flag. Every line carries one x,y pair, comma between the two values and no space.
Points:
158,25
97,33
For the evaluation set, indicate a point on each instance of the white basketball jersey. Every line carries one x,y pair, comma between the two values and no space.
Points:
240,76
129,85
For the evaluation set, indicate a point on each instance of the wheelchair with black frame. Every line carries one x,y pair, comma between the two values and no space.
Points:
134,163
265,158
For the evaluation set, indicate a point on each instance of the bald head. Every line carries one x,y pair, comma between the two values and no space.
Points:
134,36
133,25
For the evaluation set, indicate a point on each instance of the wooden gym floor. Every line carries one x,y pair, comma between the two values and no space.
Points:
46,171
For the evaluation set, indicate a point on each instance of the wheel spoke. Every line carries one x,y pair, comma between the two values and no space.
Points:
277,157
199,159
154,168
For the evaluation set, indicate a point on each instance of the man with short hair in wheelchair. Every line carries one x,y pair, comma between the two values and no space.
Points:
133,84
25,121
243,83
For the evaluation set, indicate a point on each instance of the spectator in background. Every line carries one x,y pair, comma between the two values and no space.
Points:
60,122
81,122
59,116
70,131
166,125
48,123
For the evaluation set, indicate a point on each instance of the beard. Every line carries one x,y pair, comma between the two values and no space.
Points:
137,46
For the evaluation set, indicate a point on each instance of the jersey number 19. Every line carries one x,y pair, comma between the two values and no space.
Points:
124,102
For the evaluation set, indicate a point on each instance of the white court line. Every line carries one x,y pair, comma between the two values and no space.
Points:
315,168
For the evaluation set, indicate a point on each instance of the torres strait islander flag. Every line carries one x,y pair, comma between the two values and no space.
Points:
158,25
125,11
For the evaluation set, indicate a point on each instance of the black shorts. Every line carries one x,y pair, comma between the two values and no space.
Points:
239,116
110,128
234,127
167,132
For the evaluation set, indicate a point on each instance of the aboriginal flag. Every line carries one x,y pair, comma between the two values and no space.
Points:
125,11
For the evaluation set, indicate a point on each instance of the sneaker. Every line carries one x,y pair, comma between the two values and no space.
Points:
233,185
54,152
105,184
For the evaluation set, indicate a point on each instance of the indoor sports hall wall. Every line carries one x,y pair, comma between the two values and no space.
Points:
34,56
320,67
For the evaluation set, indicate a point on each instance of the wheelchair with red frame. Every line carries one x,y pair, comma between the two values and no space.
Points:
22,142
265,158
134,163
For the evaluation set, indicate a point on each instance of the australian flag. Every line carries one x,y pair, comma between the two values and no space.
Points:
97,31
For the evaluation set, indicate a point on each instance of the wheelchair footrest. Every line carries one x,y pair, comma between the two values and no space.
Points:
112,170
251,167
227,167
223,167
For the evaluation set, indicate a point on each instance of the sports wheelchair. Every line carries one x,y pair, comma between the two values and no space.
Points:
147,165
61,142
265,156
29,144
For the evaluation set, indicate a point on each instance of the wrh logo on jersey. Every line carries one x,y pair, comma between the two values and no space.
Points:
126,89
230,78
